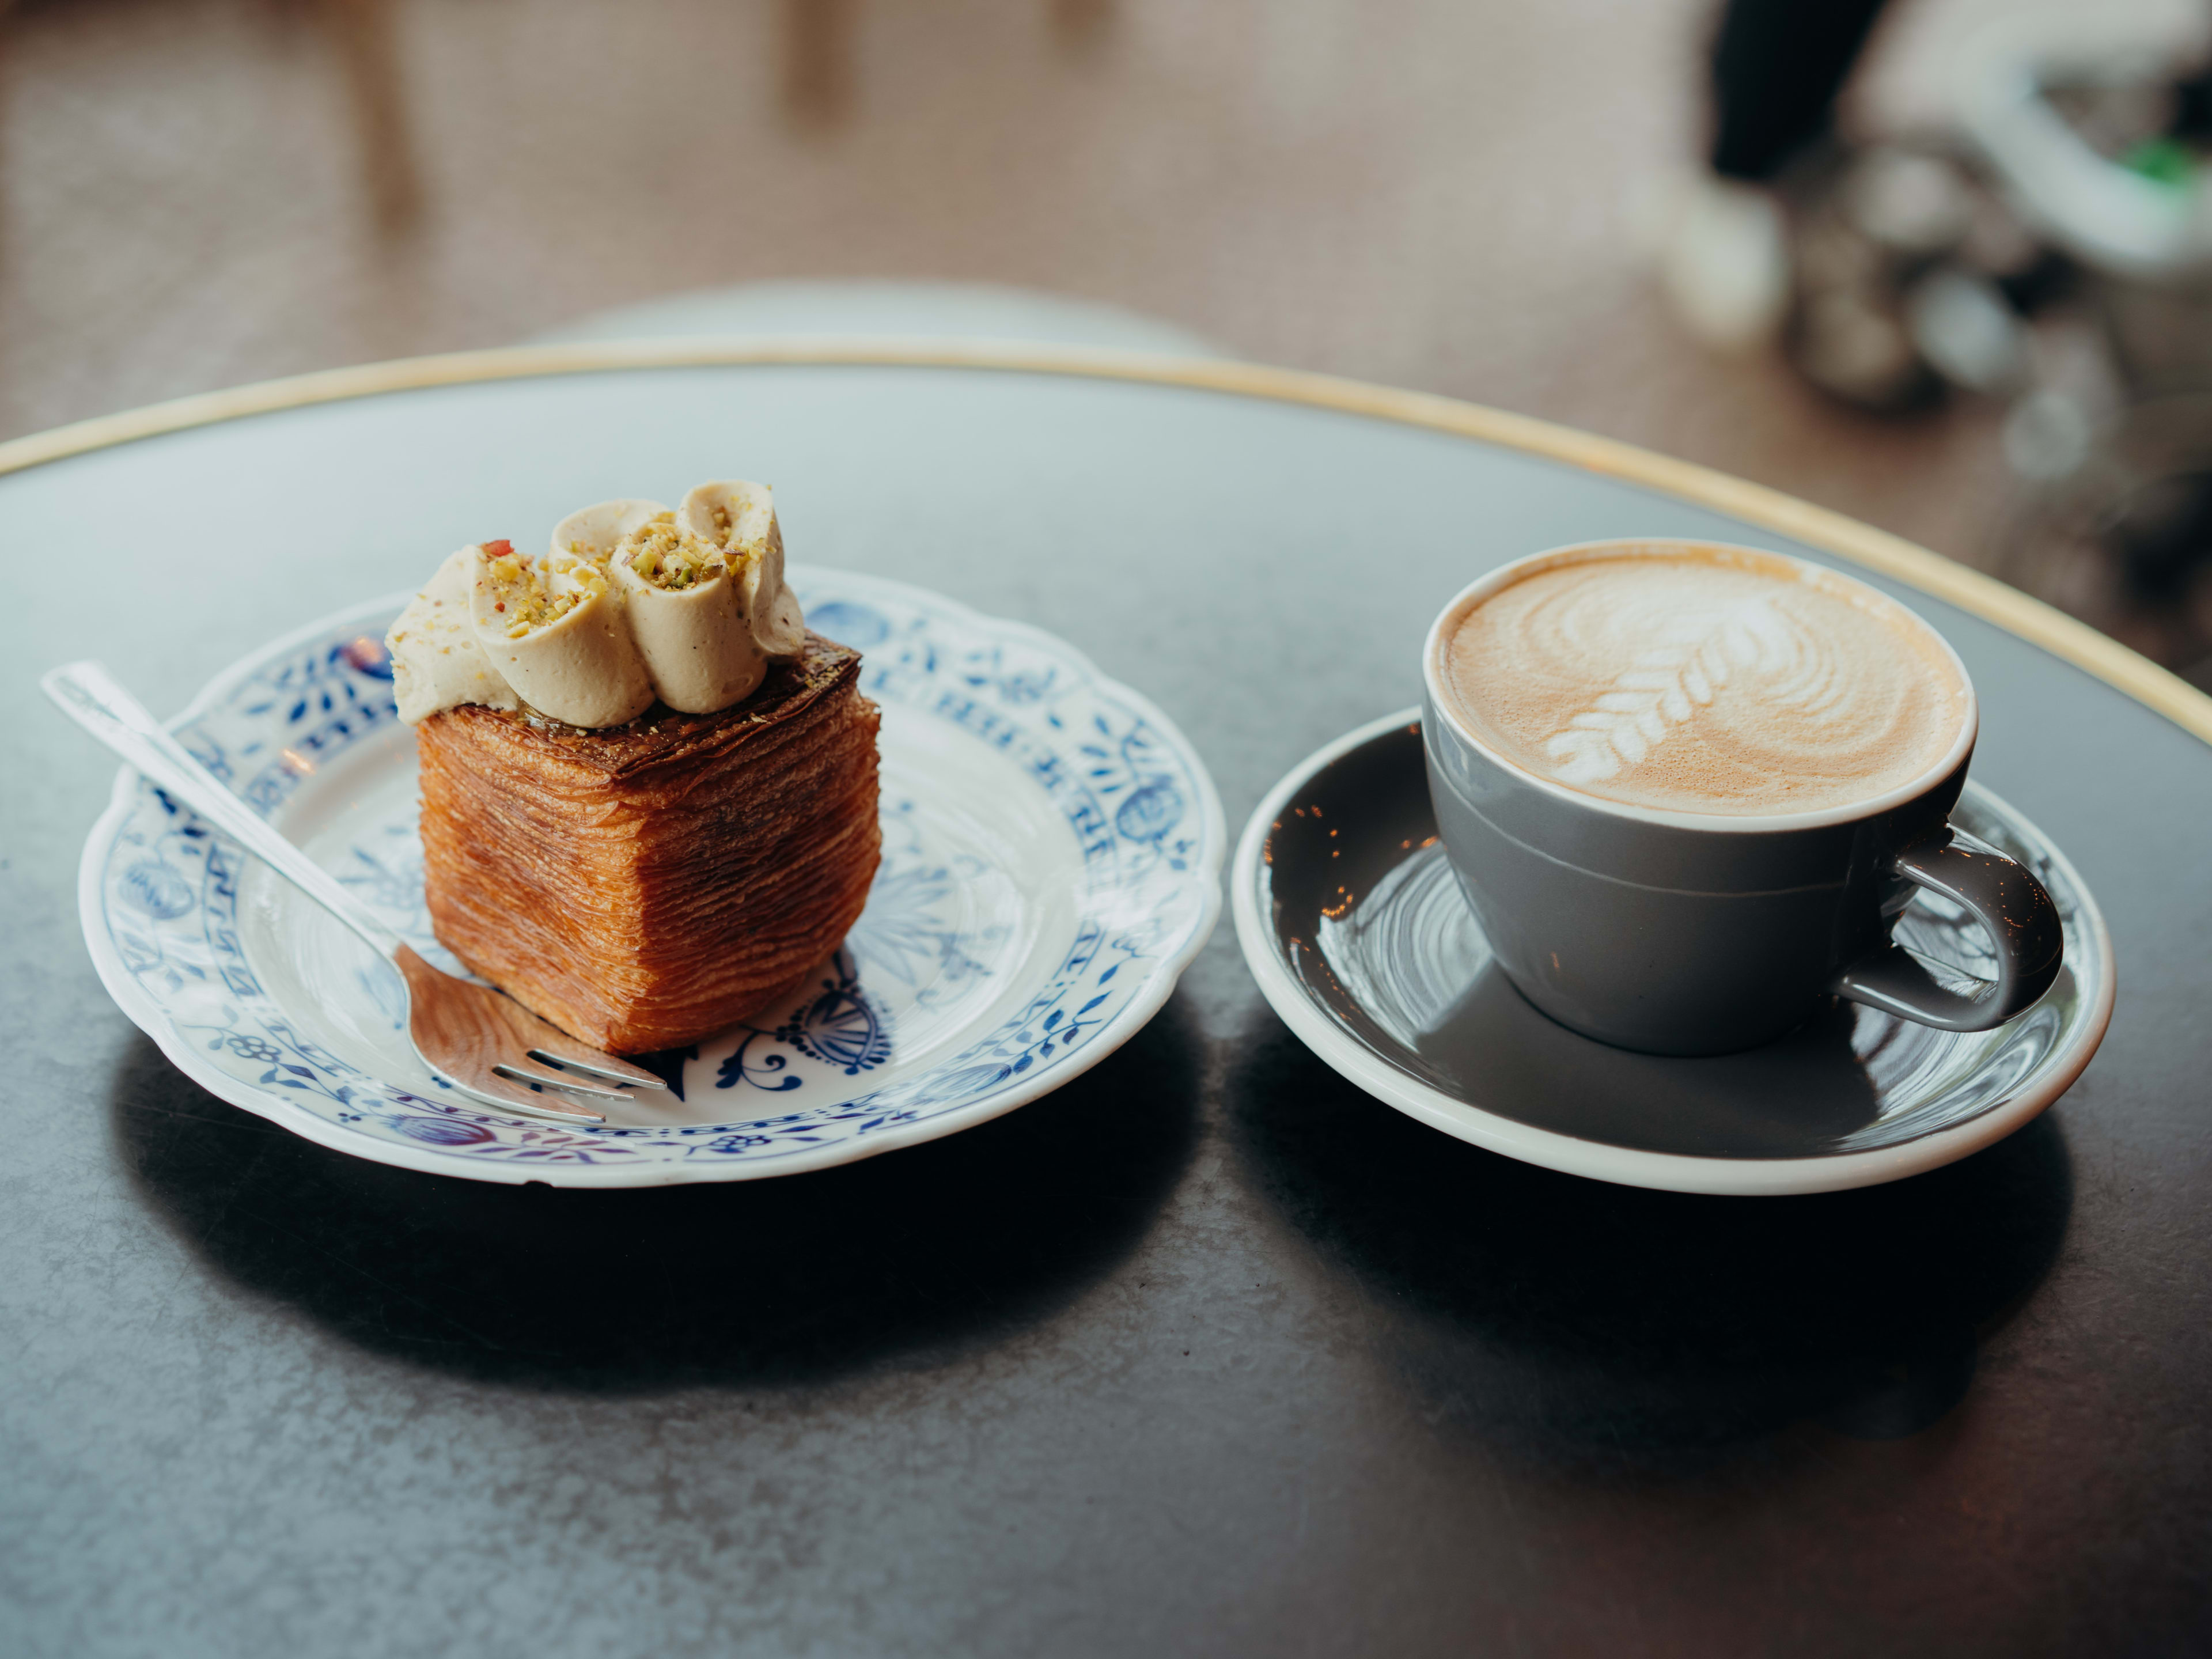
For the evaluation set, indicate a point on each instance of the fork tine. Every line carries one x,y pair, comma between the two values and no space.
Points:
504,1095
473,1033
555,1044
523,1069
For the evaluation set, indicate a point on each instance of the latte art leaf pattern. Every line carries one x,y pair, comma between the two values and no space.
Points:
1733,684
1665,689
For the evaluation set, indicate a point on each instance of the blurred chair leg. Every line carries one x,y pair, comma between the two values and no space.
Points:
817,60
1081,24
362,31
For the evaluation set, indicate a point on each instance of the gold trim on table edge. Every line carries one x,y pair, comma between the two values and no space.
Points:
1890,555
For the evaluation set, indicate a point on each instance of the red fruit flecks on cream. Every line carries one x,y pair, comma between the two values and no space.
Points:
497,549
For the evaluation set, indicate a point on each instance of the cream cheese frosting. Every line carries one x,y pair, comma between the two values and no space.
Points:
632,602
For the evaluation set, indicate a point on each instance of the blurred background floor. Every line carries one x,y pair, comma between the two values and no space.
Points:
1430,193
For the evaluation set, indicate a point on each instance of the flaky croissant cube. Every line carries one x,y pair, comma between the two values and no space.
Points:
648,885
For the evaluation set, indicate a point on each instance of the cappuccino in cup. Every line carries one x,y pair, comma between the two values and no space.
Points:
1709,680
1687,788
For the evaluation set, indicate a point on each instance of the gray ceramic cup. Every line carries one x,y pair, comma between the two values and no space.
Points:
1689,933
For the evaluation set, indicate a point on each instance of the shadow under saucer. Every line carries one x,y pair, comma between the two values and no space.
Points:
1580,1323
901,1258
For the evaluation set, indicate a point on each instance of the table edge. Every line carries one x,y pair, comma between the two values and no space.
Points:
1834,533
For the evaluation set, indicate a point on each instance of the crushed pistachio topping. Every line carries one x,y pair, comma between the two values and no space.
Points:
670,558
524,598
725,533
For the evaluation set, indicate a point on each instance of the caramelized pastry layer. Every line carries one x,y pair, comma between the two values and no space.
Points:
647,885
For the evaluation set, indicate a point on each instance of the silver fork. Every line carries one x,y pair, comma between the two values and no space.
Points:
486,1044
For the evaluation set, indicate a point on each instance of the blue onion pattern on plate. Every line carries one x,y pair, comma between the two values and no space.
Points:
1052,852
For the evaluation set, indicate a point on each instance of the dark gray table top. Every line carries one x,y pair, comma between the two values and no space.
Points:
1207,1353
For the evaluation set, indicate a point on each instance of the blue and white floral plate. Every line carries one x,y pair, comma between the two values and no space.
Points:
1052,857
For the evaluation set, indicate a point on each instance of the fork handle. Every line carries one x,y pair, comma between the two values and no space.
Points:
88,695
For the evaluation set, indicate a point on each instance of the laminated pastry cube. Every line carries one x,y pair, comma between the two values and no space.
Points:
647,885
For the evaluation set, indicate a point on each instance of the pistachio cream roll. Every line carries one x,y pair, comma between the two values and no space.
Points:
592,533
556,632
630,604
687,614
740,518
437,662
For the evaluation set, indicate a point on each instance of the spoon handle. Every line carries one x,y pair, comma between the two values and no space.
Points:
88,695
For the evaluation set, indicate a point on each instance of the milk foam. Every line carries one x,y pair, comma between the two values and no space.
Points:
1705,681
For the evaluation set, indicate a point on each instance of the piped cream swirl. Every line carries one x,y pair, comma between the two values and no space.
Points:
1706,682
632,602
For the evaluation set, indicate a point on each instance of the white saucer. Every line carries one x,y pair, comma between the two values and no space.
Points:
1354,925
1052,855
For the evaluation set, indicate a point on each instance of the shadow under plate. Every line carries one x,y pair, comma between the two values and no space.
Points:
900,1259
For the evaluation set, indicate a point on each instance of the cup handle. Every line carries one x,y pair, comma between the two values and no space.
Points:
2005,899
